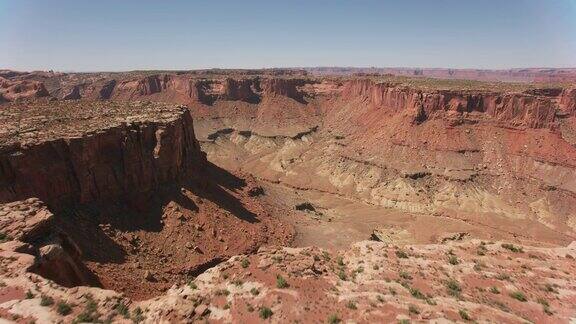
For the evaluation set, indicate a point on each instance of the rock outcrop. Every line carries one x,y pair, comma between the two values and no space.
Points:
512,109
567,101
18,90
83,152
56,256
463,281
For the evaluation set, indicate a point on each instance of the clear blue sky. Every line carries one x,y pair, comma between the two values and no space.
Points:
78,35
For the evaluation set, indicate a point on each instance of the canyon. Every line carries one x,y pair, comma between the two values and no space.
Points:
307,194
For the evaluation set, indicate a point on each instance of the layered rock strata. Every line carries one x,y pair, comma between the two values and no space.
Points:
68,153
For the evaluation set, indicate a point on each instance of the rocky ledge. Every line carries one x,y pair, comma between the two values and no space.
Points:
78,152
458,281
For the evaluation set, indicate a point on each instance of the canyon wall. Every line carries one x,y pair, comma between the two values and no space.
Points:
513,109
567,101
185,89
15,90
115,155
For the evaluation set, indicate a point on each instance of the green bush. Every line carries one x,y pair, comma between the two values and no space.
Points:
518,295
266,313
46,300
281,282
63,308
334,319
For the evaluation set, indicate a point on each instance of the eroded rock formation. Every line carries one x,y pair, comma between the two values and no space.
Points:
85,152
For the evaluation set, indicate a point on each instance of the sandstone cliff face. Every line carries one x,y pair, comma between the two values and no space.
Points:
290,88
186,89
25,89
100,153
567,101
513,109
56,256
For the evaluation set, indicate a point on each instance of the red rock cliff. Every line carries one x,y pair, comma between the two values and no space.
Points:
84,152
514,109
567,101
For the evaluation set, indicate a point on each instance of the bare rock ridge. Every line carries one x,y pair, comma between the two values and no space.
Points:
56,256
66,154
15,90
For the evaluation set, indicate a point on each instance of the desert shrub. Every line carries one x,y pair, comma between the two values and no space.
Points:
453,260
266,313
46,300
122,309
454,288
351,305
464,315
334,319
512,247
401,254
281,282
405,275
518,295
63,308
137,315
416,293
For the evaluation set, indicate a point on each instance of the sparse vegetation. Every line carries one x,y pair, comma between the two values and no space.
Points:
90,313
481,250
281,282
254,291
122,309
512,247
453,260
342,275
46,300
416,293
401,254
265,313
245,263
405,275
222,292
137,315
334,319
518,295
494,290
192,285
63,308
454,288
351,305
29,295
464,315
